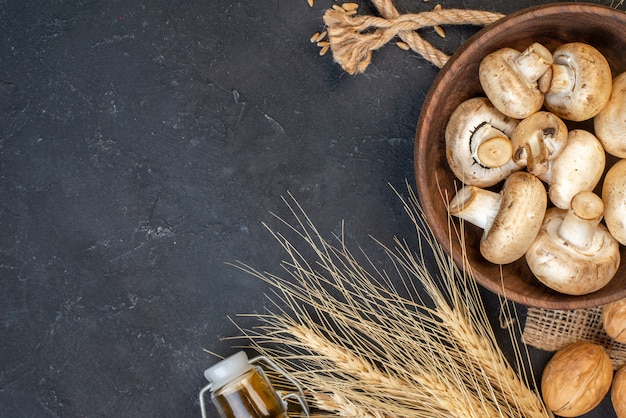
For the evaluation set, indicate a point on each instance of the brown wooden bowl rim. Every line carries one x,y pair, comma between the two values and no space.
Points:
506,23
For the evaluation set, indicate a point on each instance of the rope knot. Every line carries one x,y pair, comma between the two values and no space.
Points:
353,37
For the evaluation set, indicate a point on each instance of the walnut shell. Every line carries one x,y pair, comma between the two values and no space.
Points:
576,379
618,393
614,320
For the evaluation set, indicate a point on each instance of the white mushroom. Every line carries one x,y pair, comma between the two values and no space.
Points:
578,84
537,140
610,124
478,148
614,198
509,79
574,253
510,219
578,168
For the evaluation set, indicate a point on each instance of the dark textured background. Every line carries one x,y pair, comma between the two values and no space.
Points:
141,146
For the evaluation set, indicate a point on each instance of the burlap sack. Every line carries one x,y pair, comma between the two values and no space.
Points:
551,330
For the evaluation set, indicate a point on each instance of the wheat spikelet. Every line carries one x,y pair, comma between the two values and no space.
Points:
401,390
341,405
341,329
465,326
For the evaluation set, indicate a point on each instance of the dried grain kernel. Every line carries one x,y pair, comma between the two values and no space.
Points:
322,35
403,45
323,44
350,6
310,3
316,37
439,30
324,50
338,8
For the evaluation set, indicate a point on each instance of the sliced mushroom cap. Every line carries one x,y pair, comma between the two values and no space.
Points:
537,140
610,124
478,148
574,253
578,84
578,168
509,79
614,198
510,219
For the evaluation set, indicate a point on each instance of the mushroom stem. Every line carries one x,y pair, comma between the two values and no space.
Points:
561,79
578,85
538,140
533,62
510,78
476,206
580,224
510,219
473,122
495,152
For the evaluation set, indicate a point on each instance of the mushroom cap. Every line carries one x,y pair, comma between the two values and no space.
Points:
566,269
507,87
578,168
580,84
614,198
516,224
473,122
610,124
537,140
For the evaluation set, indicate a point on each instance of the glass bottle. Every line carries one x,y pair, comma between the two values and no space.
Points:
241,389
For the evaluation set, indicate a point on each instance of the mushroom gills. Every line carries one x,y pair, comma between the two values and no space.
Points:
493,149
477,149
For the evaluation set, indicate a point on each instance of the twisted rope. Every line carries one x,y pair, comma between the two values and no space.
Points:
353,37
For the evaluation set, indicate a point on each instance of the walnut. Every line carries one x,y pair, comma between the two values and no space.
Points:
618,393
614,320
576,379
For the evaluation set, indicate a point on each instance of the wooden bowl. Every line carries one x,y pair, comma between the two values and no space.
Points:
551,25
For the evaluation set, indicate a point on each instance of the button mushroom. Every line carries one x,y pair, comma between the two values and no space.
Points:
578,168
573,252
614,198
537,140
510,219
610,124
509,79
578,84
478,148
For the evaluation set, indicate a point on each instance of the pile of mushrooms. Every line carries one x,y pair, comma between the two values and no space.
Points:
545,209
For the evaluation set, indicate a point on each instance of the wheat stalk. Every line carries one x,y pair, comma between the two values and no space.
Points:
359,348
465,323
400,389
